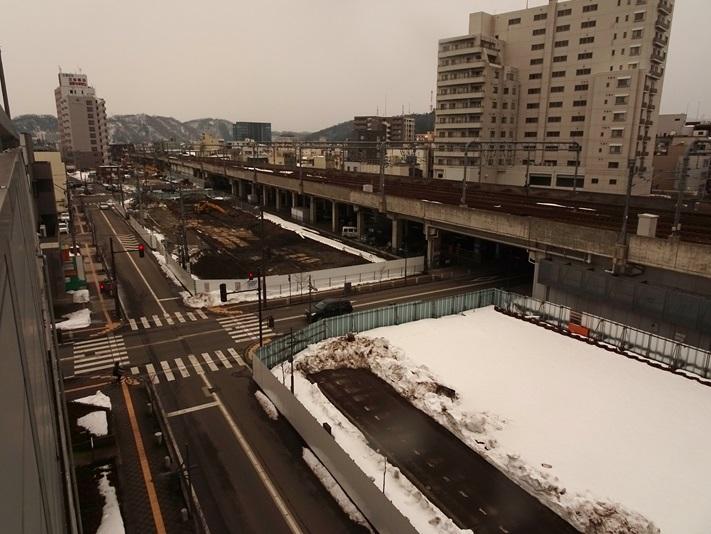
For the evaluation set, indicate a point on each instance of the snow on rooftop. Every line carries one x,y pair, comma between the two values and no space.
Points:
74,320
581,428
95,422
97,399
111,521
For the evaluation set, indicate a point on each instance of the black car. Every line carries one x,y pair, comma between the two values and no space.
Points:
329,308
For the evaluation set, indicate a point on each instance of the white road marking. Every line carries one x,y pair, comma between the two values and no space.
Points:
191,409
223,359
181,368
268,484
134,370
208,360
191,316
156,320
196,364
237,357
145,322
152,373
133,324
134,263
168,319
180,317
167,371
201,314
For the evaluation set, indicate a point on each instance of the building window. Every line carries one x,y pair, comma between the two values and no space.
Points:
620,116
514,21
594,180
530,134
531,120
623,83
540,16
537,61
638,17
620,100
588,24
581,87
534,91
587,40
535,76
616,149
552,134
533,105
636,34
539,31
613,164
585,55
564,12
613,181
582,72
617,133
558,74
538,46
559,59
557,89
589,8
577,118
554,119
550,162
559,44
564,180
580,103
555,104
541,180
576,134
563,28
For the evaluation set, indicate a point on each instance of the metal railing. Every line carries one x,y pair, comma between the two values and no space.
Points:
676,355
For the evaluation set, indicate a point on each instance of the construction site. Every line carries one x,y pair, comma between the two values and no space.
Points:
227,242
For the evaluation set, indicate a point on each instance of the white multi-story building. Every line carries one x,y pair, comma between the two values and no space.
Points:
83,133
537,80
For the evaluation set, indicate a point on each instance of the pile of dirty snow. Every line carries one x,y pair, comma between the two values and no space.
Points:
267,405
111,521
74,320
95,422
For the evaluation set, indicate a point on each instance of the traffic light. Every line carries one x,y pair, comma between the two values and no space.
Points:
250,276
102,287
141,250
223,292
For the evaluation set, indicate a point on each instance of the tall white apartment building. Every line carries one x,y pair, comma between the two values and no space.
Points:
83,133
537,80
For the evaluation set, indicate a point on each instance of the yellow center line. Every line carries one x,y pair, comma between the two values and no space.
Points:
145,468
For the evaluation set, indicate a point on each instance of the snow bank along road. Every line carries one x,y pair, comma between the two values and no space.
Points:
461,483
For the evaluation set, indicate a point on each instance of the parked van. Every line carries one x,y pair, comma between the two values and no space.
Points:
349,231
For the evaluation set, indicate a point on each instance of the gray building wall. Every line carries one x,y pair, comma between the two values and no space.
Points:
261,132
35,486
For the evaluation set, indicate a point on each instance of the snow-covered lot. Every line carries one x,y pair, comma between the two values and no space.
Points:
611,444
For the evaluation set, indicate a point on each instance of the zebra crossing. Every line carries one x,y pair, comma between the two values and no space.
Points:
245,327
166,319
170,370
98,354
129,241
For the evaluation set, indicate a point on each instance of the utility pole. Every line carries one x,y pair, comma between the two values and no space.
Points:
183,233
115,277
681,187
140,200
621,249
577,165
383,145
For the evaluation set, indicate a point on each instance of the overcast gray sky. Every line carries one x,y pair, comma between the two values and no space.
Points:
301,64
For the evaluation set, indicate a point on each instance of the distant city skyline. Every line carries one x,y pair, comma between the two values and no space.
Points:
300,69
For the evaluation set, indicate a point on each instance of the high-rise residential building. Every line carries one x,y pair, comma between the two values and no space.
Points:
397,129
83,133
539,79
261,132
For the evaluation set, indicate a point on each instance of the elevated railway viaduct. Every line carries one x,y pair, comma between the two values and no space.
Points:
655,282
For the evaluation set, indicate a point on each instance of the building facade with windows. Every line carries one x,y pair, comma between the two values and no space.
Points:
83,131
527,84
261,132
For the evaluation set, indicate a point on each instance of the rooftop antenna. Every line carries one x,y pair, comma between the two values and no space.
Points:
431,100
386,105
403,110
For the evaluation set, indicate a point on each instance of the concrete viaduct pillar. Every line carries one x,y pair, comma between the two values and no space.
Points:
312,210
360,222
434,242
240,189
539,291
294,199
277,198
396,233
334,217
235,191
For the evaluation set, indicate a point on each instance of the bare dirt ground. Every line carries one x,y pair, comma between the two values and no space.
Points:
228,245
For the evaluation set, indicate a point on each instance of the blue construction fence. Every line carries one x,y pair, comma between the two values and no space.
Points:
669,352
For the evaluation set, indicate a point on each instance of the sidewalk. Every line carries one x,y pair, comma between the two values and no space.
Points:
139,466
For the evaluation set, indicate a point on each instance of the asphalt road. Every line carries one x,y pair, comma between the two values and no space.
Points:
248,472
461,483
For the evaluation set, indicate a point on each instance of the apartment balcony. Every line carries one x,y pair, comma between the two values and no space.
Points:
644,138
664,6
456,125
663,24
459,111
660,40
476,63
656,71
457,81
461,51
461,96
659,56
